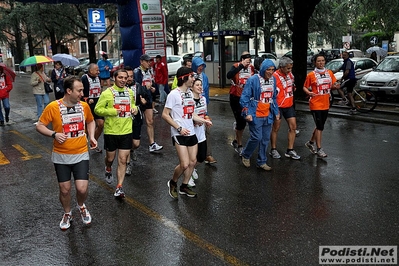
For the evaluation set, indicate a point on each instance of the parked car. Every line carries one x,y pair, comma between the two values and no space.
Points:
384,79
265,55
82,68
174,63
309,57
192,55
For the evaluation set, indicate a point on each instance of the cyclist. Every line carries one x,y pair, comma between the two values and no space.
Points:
348,80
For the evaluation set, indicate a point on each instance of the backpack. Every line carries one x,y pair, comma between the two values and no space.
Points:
60,84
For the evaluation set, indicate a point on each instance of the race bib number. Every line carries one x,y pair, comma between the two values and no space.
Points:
73,125
123,104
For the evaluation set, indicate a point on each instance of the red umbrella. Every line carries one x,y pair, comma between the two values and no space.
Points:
8,71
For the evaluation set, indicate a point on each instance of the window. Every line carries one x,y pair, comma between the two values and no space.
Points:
83,47
104,46
185,50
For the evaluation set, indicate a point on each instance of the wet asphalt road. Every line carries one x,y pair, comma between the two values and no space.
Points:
240,217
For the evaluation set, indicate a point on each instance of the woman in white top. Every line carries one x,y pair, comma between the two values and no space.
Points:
37,80
179,114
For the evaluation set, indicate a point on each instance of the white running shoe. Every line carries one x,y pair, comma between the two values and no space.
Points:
194,175
155,147
85,214
66,221
191,182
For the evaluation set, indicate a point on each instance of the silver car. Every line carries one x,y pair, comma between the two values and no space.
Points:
384,79
363,66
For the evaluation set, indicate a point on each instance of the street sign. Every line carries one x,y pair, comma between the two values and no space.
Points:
374,40
96,20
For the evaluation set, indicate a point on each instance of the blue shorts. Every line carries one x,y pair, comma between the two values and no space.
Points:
287,112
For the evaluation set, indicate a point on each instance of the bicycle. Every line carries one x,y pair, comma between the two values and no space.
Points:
365,99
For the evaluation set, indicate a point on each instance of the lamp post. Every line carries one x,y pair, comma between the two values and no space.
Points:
219,46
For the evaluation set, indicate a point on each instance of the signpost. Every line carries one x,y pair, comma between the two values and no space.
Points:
96,24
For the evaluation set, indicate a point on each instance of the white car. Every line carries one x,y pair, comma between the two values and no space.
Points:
384,79
174,63
265,55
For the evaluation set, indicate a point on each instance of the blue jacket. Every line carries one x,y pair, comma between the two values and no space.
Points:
251,94
101,66
197,61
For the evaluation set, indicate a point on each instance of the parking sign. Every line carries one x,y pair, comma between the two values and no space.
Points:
96,20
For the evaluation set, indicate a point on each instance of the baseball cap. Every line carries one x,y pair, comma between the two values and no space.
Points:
145,57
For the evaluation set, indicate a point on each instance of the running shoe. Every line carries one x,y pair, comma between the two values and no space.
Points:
274,154
191,182
1,123
85,214
352,111
311,147
119,192
246,162
239,149
155,147
98,150
264,167
292,154
172,190
155,111
66,221
128,169
187,191
210,160
343,101
133,155
321,153
7,119
109,178
234,144
194,175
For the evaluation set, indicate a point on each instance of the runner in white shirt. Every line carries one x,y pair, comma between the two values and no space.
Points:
179,114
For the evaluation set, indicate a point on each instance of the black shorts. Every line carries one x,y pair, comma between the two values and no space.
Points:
201,155
349,85
121,142
287,112
237,109
185,140
137,124
80,171
320,117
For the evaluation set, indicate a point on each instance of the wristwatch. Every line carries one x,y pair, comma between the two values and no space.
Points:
53,135
179,129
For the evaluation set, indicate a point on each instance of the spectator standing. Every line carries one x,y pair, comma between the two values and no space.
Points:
57,76
91,94
258,100
70,117
144,78
318,85
179,114
285,101
37,80
161,78
116,105
198,66
238,74
5,88
105,67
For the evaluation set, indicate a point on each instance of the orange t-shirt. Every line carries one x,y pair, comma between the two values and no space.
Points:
321,84
73,145
285,89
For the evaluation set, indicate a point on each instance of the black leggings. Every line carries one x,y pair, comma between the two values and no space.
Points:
319,117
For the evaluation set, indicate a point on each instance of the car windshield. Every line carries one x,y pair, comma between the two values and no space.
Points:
389,65
333,65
